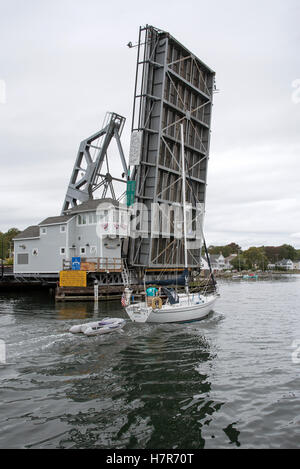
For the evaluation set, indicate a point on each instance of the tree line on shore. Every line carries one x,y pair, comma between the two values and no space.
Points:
245,259
256,257
6,242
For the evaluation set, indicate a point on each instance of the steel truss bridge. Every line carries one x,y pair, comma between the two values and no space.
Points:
172,87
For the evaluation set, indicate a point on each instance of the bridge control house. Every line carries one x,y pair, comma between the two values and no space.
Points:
92,231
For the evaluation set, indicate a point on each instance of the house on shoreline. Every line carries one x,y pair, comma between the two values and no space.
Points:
285,264
92,231
219,262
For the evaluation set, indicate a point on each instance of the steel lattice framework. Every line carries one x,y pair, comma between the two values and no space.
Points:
88,175
172,87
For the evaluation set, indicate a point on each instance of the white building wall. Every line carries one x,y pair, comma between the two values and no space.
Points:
77,240
44,253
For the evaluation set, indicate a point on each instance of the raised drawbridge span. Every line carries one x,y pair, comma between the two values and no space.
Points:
172,87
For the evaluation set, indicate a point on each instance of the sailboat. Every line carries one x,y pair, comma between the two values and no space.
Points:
182,307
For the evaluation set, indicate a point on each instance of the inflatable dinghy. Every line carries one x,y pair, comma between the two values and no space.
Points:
100,327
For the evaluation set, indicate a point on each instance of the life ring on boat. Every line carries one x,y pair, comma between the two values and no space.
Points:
156,302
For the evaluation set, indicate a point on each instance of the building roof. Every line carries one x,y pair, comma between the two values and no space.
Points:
30,232
229,258
92,204
215,257
284,262
89,205
54,220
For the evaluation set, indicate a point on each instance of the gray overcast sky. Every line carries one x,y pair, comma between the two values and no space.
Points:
65,63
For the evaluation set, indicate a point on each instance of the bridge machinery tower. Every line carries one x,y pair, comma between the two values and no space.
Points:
88,174
172,87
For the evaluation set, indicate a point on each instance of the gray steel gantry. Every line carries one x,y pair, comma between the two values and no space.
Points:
87,176
172,87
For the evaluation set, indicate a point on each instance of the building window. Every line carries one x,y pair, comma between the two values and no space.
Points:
62,251
124,218
116,216
93,250
81,220
63,228
82,250
92,219
35,252
43,231
22,259
103,216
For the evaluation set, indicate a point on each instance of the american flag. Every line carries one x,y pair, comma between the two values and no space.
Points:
123,300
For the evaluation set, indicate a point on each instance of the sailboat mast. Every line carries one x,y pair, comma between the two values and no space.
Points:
184,200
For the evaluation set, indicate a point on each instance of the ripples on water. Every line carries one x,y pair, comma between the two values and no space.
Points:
228,381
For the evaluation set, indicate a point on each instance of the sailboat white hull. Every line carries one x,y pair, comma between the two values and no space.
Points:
186,310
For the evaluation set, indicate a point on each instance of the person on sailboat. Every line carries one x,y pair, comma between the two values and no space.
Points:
151,292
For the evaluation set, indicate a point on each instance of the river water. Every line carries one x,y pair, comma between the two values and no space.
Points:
229,381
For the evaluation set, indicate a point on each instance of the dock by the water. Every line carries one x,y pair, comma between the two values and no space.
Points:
104,293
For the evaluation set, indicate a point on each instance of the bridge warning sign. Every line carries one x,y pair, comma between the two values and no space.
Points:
72,278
